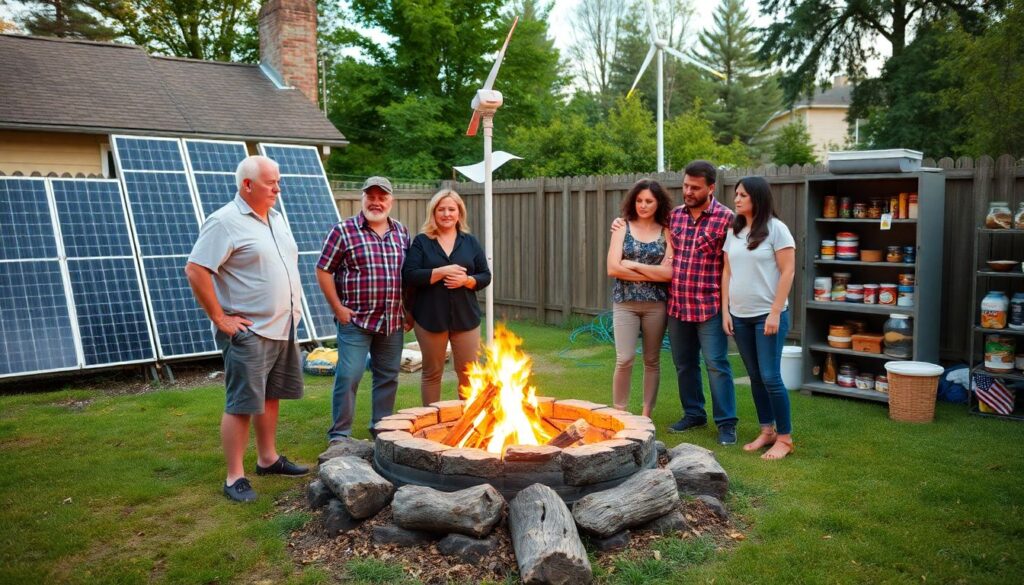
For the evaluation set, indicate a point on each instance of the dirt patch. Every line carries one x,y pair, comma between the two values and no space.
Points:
124,381
310,545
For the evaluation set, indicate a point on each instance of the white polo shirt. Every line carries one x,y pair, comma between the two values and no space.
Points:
255,267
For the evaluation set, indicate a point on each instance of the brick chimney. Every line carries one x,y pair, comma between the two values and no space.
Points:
288,43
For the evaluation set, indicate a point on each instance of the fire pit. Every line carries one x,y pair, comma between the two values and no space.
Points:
503,434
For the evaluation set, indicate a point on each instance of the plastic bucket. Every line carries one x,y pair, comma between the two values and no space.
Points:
792,367
912,388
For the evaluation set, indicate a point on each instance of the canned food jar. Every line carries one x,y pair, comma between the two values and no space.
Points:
847,377
855,293
905,278
875,209
860,211
882,384
909,254
999,353
894,254
842,278
822,288
847,246
830,211
912,208
870,294
905,296
845,207
994,308
856,325
887,294
828,249
865,381
1016,320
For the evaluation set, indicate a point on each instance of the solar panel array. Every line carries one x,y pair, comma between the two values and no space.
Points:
308,204
92,270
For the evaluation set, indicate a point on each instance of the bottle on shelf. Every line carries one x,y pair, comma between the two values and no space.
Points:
993,310
829,376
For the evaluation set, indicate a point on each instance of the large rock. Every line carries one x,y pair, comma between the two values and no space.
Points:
391,534
599,462
318,494
617,541
363,491
337,519
697,471
347,446
670,523
638,500
715,505
473,511
475,462
547,546
466,548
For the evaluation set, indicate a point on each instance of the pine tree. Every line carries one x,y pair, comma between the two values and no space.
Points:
746,98
70,19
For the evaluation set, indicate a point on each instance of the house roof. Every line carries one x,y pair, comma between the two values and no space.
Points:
89,87
837,96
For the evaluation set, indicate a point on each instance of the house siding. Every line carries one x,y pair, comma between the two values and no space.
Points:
51,152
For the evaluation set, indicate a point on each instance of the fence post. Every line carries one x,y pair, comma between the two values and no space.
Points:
540,228
566,258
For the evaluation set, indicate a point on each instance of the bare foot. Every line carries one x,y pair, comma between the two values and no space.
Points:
780,449
762,441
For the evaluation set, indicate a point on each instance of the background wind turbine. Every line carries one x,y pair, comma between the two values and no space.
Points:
659,47
485,104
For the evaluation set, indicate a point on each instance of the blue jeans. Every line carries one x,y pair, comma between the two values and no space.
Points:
385,353
688,341
762,355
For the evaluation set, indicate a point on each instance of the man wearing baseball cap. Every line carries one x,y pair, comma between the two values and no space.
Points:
360,274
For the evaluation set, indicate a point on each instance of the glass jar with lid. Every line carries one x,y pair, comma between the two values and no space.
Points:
898,336
999,216
1018,218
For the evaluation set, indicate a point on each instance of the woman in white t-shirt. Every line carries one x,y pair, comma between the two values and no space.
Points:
756,279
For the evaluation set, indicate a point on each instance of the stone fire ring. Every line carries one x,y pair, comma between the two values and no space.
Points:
407,450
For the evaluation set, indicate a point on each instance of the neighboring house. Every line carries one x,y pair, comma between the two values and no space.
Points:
60,100
824,115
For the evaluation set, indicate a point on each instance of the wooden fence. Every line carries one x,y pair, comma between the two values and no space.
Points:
551,235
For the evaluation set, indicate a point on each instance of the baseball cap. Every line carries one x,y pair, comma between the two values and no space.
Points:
380,182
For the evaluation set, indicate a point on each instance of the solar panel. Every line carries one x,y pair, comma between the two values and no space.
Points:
309,205
35,323
215,190
111,315
213,165
183,329
320,313
27,226
164,215
295,160
105,283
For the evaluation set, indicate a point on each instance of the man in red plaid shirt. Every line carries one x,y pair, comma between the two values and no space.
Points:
360,274
698,231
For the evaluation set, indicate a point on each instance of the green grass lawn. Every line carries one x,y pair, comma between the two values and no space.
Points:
126,489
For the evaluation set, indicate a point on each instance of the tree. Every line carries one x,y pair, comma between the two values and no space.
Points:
691,136
825,37
595,43
72,19
792,146
746,98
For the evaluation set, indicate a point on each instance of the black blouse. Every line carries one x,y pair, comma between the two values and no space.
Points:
434,307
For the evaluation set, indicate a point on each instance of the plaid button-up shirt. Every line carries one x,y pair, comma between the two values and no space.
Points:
695,293
367,271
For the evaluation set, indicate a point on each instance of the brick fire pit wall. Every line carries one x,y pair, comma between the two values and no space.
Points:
407,450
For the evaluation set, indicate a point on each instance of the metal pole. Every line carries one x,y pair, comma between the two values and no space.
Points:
661,111
488,122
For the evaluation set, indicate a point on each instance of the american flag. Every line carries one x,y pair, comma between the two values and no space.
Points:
993,393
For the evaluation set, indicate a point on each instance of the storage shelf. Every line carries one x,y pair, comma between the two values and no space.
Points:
1005,331
829,349
823,388
862,263
852,220
1014,375
1007,274
845,307
984,230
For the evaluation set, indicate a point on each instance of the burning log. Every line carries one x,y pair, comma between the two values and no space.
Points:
571,434
472,410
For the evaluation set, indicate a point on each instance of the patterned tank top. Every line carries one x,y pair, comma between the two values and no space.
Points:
644,253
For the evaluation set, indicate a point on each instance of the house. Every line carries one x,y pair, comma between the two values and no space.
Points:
824,115
62,99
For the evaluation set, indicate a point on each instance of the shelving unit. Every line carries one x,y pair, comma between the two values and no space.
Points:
994,244
924,233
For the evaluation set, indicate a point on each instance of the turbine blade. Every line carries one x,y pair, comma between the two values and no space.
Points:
647,61
688,59
474,123
489,84
652,21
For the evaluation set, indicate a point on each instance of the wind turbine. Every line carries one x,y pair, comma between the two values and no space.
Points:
659,47
485,104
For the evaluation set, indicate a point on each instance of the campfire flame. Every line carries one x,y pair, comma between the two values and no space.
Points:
508,412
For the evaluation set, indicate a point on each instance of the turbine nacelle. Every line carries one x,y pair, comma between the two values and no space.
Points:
487,101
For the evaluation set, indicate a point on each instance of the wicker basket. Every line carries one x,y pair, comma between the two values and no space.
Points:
912,387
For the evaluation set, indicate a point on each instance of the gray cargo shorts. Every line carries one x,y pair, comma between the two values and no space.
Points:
257,369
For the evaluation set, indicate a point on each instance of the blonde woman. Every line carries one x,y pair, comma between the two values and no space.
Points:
442,272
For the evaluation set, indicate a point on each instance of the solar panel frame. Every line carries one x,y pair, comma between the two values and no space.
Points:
49,259
137,324
298,161
163,329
